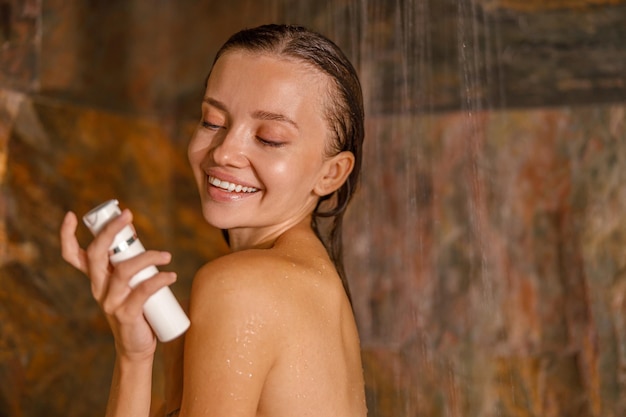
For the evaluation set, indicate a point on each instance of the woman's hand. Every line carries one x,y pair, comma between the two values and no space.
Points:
110,286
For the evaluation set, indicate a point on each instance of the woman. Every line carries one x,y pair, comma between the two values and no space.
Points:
273,333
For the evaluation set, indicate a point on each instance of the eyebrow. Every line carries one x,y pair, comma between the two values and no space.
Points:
215,103
258,114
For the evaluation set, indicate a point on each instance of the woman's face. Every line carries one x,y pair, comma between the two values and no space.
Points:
258,152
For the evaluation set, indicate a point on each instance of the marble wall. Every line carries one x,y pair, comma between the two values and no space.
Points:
493,263
485,244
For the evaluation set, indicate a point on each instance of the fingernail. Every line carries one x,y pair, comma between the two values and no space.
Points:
166,256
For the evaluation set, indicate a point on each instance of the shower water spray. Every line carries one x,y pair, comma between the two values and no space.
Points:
162,310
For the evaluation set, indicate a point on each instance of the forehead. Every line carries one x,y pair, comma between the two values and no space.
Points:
268,74
252,83
282,59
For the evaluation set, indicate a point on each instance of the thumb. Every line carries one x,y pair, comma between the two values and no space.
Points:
70,249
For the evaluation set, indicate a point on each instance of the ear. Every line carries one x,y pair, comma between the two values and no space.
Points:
335,171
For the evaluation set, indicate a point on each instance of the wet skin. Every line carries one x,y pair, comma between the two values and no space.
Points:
272,332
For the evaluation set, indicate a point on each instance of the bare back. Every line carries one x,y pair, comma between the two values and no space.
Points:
287,333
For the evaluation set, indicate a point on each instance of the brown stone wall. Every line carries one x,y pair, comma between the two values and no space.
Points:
484,248
488,277
55,342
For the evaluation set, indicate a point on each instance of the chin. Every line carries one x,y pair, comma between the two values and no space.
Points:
221,219
212,218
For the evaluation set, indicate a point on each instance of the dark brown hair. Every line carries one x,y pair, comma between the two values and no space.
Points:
344,109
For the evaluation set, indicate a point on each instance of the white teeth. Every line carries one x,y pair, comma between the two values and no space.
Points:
230,186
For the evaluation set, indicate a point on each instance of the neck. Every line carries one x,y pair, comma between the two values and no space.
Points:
255,238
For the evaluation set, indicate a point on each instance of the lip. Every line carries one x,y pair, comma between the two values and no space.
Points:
222,195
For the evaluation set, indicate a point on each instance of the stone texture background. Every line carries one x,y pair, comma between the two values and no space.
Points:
485,248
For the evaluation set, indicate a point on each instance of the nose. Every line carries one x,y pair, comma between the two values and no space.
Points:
230,149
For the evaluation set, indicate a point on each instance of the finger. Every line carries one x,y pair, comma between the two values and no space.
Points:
70,249
106,235
119,282
127,269
132,306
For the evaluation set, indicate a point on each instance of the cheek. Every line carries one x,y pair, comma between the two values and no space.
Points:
192,156
295,173
196,151
282,168
280,173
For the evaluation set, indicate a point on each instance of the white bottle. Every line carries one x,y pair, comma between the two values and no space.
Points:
162,311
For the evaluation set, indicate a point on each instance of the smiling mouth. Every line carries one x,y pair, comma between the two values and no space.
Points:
230,186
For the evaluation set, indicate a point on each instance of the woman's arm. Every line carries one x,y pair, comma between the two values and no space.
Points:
131,388
232,342
135,342
173,369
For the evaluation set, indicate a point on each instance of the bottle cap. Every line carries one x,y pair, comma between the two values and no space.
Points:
99,216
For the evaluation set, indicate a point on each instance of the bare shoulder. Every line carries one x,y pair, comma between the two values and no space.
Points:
290,292
286,278
237,282
258,315
242,307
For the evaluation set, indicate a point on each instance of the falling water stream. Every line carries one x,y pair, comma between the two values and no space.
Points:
449,307
421,273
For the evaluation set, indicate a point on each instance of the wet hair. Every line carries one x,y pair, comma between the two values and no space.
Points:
343,106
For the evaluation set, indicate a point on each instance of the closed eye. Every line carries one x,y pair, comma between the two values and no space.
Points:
210,126
270,143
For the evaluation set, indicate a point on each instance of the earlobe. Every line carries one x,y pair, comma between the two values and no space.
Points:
335,172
